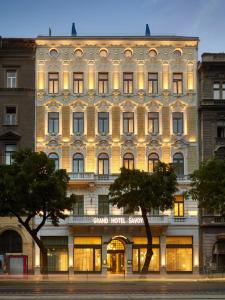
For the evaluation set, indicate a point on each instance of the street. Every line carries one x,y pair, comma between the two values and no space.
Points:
112,290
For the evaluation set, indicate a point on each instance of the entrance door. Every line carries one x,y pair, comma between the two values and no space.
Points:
115,257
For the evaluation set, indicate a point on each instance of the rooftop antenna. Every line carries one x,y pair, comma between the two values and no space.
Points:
147,31
49,31
73,31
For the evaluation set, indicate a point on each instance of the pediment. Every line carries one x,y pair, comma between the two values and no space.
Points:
78,105
178,106
103,105
53,104
10,136
128,105
153,105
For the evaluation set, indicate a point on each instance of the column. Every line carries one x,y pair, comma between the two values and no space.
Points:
128,262
104,259
36,260
163,254
196,252
70,250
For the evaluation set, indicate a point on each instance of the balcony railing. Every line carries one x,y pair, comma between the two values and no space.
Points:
107,177
213,220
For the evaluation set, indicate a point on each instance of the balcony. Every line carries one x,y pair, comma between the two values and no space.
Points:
213,220
86,178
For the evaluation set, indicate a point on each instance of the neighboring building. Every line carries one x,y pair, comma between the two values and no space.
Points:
105,102
17,106
212,137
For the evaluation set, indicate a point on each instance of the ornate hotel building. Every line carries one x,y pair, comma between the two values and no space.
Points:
107,102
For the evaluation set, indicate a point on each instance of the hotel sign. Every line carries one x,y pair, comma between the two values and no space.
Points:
117,220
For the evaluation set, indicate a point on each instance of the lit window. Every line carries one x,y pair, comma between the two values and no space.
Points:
103,53
9,151
78,163
128,53
177,122
216,90
103,205
53,122
78,83
78,52
78,208
53,83
103,83
177,83
153,160
55,158
153,83
179,206
78,122
128,122
128,161
153,122
103,122
178,162
221,129
128,83
11,79
103,164
152,53
10,115
53,53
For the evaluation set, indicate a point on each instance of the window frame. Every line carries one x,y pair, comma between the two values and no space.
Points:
177,83
79,121
55,159
153,83
78,158
129,160
103,199
8,153
54,82
176,161
154,160
127,120
128,83
178,122
11,85
103,122
78,83
178,206
55,123
103,83
153,119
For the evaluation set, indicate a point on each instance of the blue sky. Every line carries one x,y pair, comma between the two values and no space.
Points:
202,18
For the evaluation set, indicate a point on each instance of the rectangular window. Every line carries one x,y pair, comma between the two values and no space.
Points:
53,122
103,83
53,83
221,129
179,206
87,254
128,83
103,205
128,122
10,115
177,83
78,122
11,81
179,254
10,149
177,122
57,248
153,83
153,122
139,253
78,209
78,83
223,90
216,90
103,122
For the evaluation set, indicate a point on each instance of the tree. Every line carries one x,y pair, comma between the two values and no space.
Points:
135,189
208,185
31,187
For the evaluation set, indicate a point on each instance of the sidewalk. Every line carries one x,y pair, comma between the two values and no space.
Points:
111,278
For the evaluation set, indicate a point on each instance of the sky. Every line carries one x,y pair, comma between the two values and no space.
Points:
202,18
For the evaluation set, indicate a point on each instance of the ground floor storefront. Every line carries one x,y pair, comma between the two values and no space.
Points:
119,249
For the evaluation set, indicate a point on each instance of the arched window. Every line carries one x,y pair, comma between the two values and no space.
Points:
103,164
55,158
78,163
11,242
153,159
178,162
128,161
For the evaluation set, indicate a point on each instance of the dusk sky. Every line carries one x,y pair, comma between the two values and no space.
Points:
202,18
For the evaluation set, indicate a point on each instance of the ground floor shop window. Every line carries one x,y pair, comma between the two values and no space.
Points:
57,253
87,254
179,254
139,253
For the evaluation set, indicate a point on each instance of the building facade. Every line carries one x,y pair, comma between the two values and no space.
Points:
17,113
107,102
212,143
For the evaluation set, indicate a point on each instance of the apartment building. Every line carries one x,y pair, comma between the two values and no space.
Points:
107,102
17,106
212,143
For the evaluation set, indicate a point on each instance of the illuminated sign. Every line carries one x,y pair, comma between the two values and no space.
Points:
117,220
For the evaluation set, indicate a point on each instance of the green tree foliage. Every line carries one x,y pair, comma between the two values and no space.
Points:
134,190
208,185
31,187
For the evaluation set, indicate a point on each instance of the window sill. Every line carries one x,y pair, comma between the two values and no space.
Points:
9,125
